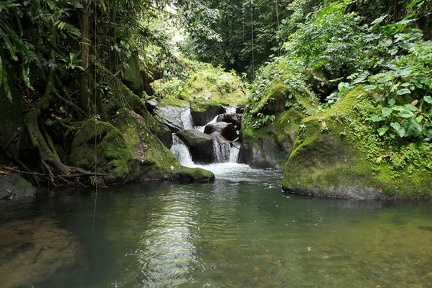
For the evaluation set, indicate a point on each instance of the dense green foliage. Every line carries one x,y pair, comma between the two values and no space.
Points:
64,62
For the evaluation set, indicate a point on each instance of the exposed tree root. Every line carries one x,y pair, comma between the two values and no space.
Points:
54,170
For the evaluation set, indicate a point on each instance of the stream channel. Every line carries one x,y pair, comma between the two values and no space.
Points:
239,231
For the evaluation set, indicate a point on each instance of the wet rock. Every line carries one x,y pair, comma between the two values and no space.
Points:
226,130
13,186
203,111
200,145
171,116
233,118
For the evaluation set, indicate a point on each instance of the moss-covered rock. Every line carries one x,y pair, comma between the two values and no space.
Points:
203,111
133,76
13,186
271,121
205,91
337,154
270,146
100,146
151,159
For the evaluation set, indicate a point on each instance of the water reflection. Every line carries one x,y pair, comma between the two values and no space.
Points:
166,251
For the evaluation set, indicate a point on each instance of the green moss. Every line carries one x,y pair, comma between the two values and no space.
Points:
209,83
338,149
132,74
151,159
101,146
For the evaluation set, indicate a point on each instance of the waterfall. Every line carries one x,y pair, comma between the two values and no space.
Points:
234,153
221,150
181,151
224,151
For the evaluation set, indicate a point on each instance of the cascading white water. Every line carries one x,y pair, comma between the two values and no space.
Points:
221,151
224,151
234,154
181,151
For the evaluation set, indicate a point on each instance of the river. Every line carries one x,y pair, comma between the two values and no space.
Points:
240,231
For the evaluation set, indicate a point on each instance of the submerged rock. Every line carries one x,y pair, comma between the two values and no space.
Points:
35,251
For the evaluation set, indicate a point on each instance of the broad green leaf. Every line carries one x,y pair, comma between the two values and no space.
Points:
428,99
412,128
406,114
410,107
403,91
399,130
386,111
379,20
404,73
391,102
384,79
375,118
383,130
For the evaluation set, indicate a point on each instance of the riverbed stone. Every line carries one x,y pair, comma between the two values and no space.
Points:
34,251
13,186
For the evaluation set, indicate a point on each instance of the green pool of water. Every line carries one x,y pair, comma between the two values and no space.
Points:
239,231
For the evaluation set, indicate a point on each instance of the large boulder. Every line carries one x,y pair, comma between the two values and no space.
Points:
173,117
271,123
339,154
151,159
269,147
226,130
126,150
203,111
200,145
233,118
100,146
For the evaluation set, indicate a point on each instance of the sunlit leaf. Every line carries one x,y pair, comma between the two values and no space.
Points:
386,111
403,91
406,114
410,107
428,99
369,87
